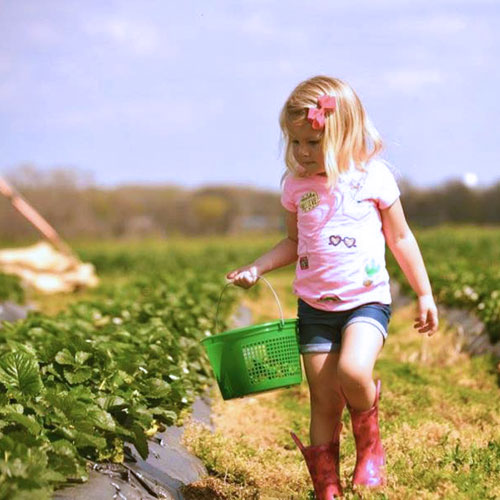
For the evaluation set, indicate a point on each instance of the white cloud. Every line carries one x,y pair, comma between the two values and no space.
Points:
392,4
441,26
161,116
143,39
263,68
257,26
412,81
42,34
260,26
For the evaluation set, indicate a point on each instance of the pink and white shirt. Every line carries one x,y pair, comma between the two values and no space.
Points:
341,247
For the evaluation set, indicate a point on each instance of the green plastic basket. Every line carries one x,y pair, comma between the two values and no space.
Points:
256,358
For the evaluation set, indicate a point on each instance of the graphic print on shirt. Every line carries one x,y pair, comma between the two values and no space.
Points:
308,201
303,254
330,298
371,269
352,204
336,239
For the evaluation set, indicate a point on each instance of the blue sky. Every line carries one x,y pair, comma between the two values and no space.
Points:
158,91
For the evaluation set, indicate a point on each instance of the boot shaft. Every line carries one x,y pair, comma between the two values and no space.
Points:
370,457
323,464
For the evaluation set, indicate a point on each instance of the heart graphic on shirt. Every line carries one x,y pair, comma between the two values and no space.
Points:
335,240
350,242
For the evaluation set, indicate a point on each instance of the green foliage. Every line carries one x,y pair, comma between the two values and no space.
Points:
77,386
463,266
11,289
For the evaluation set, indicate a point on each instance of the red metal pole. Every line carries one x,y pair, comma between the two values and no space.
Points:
22,206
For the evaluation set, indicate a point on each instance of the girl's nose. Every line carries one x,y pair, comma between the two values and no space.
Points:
304,151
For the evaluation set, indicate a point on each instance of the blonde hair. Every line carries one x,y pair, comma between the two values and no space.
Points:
348,136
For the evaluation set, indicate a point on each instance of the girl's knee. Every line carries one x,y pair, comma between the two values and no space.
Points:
326,401
353,374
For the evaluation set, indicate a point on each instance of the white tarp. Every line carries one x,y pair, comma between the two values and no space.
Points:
46,269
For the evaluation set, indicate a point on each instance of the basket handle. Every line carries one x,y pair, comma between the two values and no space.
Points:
282,321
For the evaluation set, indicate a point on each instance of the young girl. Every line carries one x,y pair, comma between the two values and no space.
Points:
342,207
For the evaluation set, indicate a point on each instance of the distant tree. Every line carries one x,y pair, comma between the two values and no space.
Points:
211,211
77,208
30,177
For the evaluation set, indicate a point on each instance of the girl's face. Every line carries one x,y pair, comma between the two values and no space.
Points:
306,147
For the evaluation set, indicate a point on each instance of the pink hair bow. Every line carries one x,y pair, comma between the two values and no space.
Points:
316,116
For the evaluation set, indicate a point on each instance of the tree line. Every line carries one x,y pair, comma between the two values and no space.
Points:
78,209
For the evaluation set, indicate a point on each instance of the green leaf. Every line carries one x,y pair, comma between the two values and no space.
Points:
82,393
167,416
79,375
64,357
53,476
110,402
156,388
63,447
84,439
124,432
26,421
82,356
20,372
67,465
140,441
101,418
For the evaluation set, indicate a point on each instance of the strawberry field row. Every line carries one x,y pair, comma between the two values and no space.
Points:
79,385
464,269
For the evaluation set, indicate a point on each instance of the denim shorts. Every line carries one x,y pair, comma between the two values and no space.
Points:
321,331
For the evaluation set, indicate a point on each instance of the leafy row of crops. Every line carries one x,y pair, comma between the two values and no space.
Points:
11,289
113,370
464,268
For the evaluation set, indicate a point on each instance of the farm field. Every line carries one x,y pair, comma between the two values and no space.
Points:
464,268
439,419
113,365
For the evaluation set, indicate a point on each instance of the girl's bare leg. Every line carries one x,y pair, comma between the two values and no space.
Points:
327,401
360,347
361,344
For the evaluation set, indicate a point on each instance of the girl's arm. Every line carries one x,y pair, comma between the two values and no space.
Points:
405,249
284,253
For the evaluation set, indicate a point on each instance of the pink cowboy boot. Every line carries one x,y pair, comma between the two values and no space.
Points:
323,464
370,459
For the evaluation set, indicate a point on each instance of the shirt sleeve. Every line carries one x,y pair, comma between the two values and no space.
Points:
287,195
387,187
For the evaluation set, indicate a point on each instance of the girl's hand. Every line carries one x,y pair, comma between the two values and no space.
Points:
245,277
427,320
